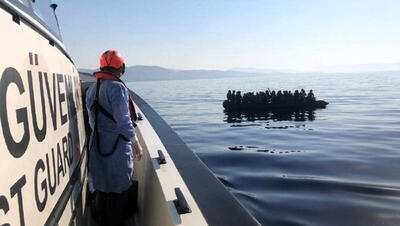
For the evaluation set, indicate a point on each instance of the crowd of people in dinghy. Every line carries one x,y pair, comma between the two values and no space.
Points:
272,100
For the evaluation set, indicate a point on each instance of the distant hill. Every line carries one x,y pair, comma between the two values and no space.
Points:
263,71
361,68
330,69
155,73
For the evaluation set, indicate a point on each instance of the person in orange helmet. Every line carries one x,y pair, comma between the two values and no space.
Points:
111,118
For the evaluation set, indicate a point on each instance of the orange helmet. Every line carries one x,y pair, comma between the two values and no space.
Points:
112,58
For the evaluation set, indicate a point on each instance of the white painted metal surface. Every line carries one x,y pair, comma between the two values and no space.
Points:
32,178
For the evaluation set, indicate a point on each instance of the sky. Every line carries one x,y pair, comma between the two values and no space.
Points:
225,34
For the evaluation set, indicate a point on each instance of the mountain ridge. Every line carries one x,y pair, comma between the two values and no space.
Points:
157,73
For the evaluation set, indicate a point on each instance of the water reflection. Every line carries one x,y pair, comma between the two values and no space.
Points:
282,115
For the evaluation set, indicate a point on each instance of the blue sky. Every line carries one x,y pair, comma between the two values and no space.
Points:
223,34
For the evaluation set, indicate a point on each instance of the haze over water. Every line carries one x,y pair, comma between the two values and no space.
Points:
336,166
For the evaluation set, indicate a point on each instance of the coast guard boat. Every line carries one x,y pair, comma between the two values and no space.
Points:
43,152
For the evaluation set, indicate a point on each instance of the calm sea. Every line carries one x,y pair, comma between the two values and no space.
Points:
334,166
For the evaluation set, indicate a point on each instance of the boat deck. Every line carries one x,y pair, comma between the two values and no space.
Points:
89,221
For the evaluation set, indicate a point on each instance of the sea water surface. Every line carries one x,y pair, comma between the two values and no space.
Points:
334,166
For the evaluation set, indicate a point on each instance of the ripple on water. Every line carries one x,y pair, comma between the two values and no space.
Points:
347,170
